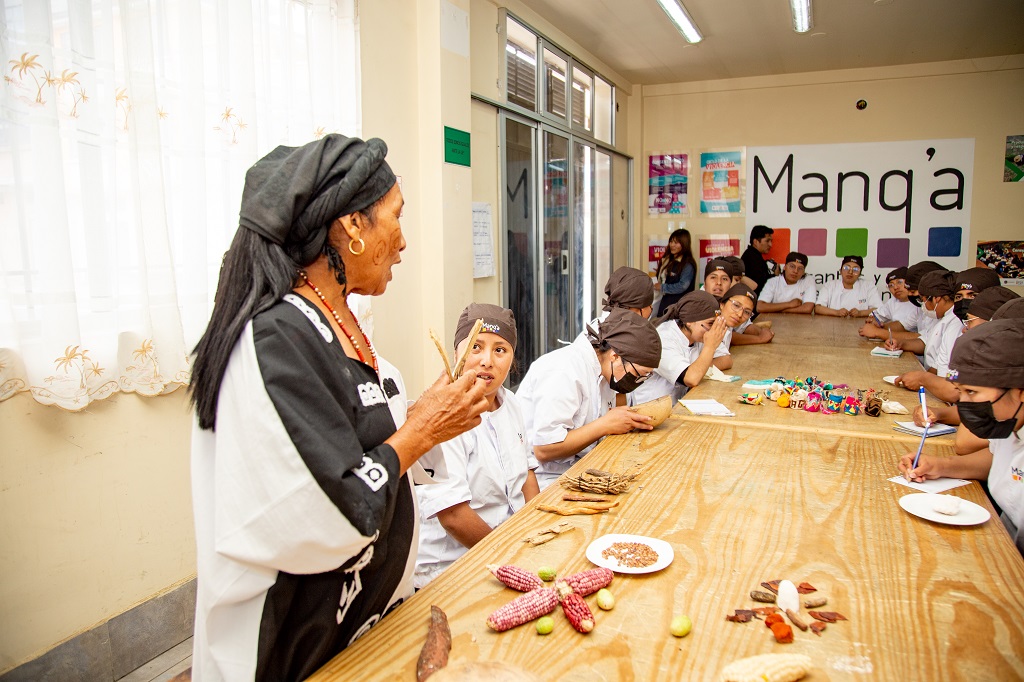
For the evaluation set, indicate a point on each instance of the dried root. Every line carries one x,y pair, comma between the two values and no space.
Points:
603,482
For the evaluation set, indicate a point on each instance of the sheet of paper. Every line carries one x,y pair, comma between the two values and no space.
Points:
933,430
707,407
935,485
483,244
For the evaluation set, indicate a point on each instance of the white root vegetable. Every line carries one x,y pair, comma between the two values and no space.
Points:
767,668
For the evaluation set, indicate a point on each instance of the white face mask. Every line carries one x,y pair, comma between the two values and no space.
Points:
930,314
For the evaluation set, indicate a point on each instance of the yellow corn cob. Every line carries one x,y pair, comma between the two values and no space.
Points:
767,668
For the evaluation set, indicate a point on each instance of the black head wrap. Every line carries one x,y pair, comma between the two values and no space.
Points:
497,320
292,194
736,266
628,288
989,355
629,335
937,283
717,264
898,273
740,289
856,260
1011,310
918,270
693,307
990,300
976,279
797,257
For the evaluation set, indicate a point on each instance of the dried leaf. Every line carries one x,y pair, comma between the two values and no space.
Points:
817,627
826,616
806,588
772,585
741,616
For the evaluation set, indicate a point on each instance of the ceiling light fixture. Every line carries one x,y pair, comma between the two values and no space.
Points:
681,18
802,19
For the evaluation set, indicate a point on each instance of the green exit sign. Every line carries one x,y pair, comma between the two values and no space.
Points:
456,146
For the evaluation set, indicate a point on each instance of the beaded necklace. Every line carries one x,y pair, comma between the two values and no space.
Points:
337,318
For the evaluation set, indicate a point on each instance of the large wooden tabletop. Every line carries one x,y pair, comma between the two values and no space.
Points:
789,356
739,505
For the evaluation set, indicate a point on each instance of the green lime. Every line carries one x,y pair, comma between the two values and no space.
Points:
545,624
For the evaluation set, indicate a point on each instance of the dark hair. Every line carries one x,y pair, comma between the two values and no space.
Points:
254,275
759,232
673,266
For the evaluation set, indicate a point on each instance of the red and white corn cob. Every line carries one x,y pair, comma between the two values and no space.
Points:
589,582
515,577
523,609
574,608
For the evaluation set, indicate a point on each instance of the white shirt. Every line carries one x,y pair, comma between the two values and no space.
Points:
778,290
563,390
676,355
939,340
723,348
487,467
861,297
904,312
1006,483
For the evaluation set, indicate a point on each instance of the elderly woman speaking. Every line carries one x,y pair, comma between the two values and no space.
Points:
305,514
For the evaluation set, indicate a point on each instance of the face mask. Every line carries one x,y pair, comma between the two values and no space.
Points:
627,384
981,421
930,314
961,307
916,300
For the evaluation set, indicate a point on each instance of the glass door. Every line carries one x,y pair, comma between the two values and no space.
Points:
557,247
520,240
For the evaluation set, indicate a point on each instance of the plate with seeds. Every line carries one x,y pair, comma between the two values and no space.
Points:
630,553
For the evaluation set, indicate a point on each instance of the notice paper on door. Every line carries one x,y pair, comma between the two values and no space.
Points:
483,242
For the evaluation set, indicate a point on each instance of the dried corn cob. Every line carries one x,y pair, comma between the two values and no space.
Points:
575,609
515,577
589,582
523,609
767,668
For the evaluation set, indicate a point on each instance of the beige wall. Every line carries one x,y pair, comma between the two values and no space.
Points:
978,99
95,514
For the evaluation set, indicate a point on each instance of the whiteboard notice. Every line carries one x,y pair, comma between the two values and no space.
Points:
483,244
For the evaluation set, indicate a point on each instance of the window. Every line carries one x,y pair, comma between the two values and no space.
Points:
604,106
555,70
582,100
521,65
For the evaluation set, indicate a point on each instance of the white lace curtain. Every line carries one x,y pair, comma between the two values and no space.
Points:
126,128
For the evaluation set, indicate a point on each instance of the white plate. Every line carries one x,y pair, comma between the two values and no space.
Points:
891,379
664,550
922,505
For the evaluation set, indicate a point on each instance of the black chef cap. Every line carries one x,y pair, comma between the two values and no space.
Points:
989,355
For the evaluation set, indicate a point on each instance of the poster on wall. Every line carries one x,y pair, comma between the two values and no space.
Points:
722,182
1013,167
892,203
714,246
667,184
656,247
1006,258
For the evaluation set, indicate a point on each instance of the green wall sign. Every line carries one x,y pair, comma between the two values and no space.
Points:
456,146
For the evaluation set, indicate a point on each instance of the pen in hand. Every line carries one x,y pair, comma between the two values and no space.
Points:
924,434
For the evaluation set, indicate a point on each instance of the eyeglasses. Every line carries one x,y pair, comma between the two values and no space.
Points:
740,309
850,268
640,378
897,283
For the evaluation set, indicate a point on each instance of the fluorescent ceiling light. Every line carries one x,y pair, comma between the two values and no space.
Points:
802,19
679,16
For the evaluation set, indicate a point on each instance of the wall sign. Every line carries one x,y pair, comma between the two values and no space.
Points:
456,146
893,203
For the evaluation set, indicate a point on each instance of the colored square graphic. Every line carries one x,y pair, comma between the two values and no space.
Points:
893,253
851,241
945,241
780,245
812,241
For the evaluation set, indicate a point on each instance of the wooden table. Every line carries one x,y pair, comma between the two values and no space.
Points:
740,505
818,331
838,363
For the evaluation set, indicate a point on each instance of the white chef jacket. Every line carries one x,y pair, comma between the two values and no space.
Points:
939,340
676,355
1006,483
861,297
563,390
904,312
778,290
487,467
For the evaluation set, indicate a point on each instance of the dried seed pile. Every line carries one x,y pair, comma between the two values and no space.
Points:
603,482
631,554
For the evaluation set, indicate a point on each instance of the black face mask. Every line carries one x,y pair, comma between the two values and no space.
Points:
916,300
628,383
981,421
961,307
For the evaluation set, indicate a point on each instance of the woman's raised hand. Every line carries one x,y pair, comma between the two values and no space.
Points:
448,409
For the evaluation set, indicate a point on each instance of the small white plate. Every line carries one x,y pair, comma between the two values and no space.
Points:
923,505
891,379
663,549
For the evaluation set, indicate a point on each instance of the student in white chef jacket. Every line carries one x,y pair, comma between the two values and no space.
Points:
569,396
896,313
988,369
737,307
791,291
848,296
690,330
936,344
490,468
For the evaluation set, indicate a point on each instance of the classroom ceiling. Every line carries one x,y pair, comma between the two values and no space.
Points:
755,37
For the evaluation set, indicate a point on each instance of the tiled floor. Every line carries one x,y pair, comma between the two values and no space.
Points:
174,665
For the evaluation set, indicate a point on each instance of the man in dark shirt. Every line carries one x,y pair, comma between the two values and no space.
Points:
753,258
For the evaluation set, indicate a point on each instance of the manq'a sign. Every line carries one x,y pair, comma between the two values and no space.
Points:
892,203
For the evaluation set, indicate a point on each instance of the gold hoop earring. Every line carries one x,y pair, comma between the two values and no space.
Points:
362,247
